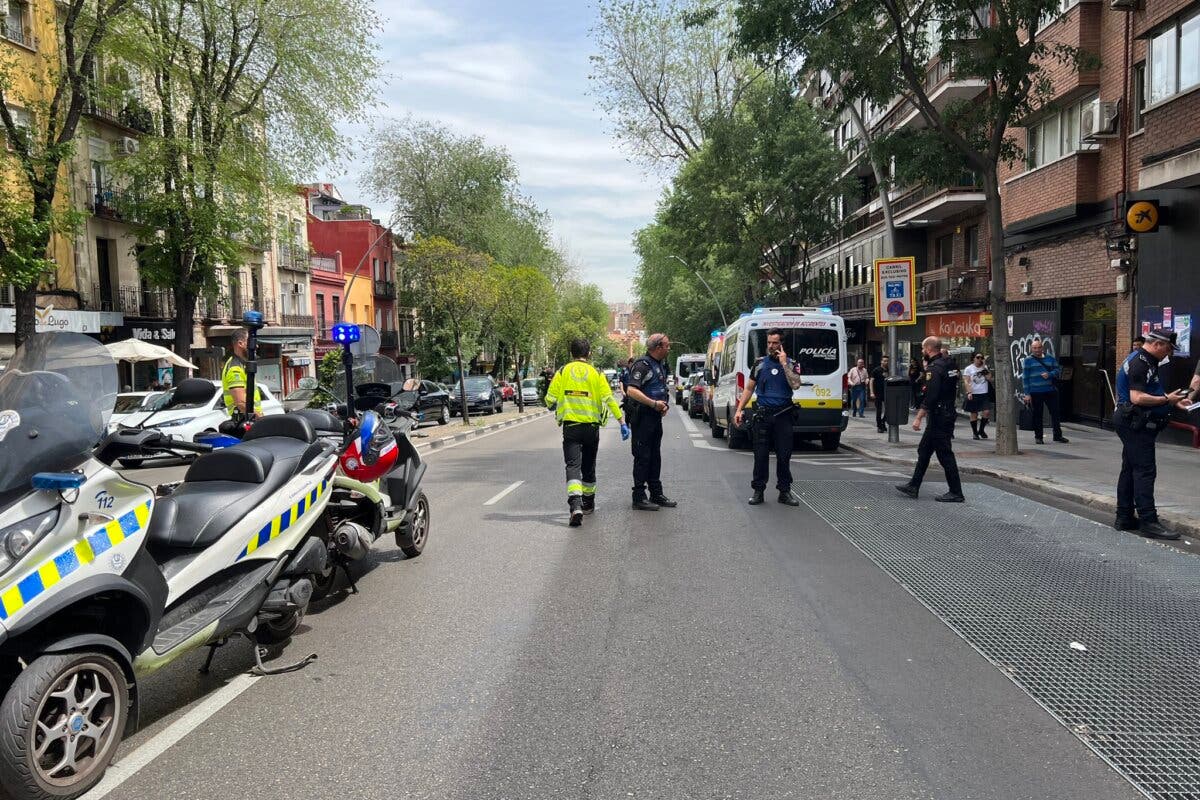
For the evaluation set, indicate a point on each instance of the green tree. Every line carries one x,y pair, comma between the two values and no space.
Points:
41,141
525,301
457,286
581,314
998,42
247,94
330,374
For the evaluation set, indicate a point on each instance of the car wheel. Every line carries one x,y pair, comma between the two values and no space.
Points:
716,430
444,419
830,441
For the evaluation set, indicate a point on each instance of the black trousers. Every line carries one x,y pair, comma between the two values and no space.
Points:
937,439
581,442
647,453
879,409
1135,486
1037,401
772,430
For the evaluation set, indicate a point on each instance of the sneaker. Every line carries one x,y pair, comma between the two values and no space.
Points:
576,518
1038,441
908,489
756,499
1155,530
642,504
662,501
788,499
1062,439
950,497
1126,523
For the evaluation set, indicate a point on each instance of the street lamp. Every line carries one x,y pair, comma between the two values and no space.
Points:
724,322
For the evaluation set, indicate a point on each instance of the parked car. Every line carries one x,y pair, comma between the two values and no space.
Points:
529,391
434,403
507,392
483,394
696,394
134,402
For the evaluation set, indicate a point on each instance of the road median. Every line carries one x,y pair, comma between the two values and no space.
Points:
436,438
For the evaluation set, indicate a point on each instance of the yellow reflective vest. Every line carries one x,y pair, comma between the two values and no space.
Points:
579,393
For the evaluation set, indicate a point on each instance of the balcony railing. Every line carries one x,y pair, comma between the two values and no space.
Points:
107,202
130,115
945,287
19,34
385,289
305,321
245,302
296,259
389,340
156,303
322,263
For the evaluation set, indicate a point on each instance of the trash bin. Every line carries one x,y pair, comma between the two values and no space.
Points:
896,398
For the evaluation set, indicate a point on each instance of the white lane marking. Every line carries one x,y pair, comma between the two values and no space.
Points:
871,471
503,493
687,421
129,766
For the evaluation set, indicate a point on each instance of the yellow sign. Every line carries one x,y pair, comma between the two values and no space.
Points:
985,320
1141,216
895,292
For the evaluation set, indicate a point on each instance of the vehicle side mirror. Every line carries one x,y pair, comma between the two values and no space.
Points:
307,383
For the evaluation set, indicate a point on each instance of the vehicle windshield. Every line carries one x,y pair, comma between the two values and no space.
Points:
129,403
686,367
56,397
475,385
815,349
178,406
529,383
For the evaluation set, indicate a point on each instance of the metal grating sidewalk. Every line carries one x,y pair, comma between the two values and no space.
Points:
1020,582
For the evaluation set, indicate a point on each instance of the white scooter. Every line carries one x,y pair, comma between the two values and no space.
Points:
101,583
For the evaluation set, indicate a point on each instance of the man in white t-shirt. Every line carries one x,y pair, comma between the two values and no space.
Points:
977,379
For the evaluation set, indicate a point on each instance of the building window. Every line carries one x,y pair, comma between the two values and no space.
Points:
322,328
1175,59
945,250
1139,97
21,118
16,25
973,245
337,309
1058,134
1063,7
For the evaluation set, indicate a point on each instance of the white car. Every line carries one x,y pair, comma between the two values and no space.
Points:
129,403
187,420
529,391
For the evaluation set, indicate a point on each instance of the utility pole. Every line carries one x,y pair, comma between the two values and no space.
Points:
724,322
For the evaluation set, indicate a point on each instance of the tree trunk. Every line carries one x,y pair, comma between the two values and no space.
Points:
185,316
462,380
1006,422
520,372
25,314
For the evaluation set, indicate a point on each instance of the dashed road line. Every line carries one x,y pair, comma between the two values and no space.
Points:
503,493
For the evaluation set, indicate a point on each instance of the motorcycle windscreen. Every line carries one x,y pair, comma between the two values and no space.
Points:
56,397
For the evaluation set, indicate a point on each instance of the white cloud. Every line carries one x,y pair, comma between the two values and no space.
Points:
412,19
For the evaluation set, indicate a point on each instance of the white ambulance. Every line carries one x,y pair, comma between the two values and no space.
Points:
814,337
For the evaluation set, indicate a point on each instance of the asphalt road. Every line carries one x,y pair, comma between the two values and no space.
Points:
710,651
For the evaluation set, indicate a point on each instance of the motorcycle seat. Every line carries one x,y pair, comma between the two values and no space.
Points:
320,419
220,487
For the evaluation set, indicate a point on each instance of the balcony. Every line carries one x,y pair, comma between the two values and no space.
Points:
245,302
323,263
295,259
129,115
106,202
932,205
305,321
20,34
855,302
944,287
389,340
385,289
158,303
942,87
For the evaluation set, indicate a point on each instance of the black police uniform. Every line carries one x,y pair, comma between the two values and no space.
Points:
772,423
1138,427
650,376
941,384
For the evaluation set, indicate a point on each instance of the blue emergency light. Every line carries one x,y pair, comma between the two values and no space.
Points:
57,481
827,309
346,333
716,334
758,310
252,319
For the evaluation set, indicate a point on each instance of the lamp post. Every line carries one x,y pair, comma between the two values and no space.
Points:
713,294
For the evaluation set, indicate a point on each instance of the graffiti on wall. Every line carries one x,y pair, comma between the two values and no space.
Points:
1019,349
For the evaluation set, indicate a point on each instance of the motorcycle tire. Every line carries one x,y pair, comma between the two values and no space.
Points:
31,703
277,631
413,535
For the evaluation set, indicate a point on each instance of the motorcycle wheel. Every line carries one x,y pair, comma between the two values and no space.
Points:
411,538
60,724
278,631
444,419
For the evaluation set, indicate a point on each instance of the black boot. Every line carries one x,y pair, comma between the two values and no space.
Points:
756,499
589,503
975,428
950,497
909,489
1126,523
1154,530
788,499
982,426
642,504
662,501
576,506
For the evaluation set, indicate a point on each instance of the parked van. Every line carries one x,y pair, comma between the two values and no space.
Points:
685,365
813,337
712,366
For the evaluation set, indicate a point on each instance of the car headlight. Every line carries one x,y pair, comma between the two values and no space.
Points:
485,395
175,422
17,539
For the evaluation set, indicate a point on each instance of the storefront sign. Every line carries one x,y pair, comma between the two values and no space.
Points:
959,326
895,279
53,320
1183,335
299,361
1167,314
1141,216
985,320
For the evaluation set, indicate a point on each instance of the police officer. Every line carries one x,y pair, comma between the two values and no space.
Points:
647,391
233,376
773,379
1143,409
941,383
582,400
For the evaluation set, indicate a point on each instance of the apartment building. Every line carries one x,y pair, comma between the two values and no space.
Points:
1124,129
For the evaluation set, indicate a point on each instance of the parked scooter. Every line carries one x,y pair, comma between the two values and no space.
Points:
377,488
101,583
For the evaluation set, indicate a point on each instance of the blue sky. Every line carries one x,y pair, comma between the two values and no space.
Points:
516,73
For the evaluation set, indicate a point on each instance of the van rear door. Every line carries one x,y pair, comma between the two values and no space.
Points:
816,344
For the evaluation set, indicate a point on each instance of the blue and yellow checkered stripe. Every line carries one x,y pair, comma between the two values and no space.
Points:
285,520
82,553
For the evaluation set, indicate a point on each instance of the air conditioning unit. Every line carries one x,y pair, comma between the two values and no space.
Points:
1123,5
127,146
1098,120
1027,287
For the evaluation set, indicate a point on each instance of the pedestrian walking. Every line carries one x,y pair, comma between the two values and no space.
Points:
977,379
916,380
879,377
857,378
1143,411
772,379
647,390
582,401
941,386
1039,380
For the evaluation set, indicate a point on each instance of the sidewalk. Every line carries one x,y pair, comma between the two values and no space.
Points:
433,436
1084,471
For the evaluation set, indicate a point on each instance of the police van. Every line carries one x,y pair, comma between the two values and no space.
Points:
685,365
813,337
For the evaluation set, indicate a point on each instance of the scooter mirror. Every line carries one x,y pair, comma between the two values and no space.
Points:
406,401
307,383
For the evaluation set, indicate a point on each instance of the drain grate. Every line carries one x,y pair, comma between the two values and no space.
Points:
1020,582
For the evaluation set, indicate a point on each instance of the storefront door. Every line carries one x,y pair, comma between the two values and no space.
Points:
1094,354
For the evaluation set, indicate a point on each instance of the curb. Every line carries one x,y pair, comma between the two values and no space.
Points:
1177,522
438,444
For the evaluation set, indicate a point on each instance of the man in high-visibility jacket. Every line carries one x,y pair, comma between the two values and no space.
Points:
233,376
582,401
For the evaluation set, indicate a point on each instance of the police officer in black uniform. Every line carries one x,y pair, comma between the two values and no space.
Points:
1143,410
647,392
941,384
773,379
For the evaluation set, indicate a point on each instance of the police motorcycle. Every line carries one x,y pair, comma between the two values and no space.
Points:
102,583
377,488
